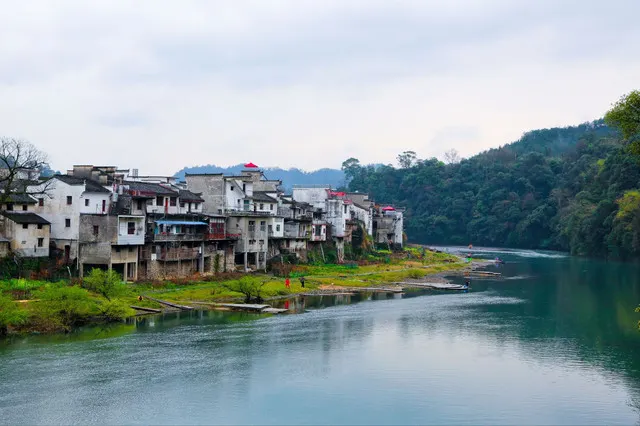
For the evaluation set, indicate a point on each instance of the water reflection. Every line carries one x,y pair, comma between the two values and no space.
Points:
557,345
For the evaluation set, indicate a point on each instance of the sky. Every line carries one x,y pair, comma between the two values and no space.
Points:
158,85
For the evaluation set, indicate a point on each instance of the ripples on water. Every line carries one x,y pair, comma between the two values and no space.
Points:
494,355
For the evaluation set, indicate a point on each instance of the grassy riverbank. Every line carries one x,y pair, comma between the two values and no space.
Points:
45,307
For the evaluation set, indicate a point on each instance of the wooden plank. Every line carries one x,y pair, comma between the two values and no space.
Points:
173,305
243,306
436,286
141,308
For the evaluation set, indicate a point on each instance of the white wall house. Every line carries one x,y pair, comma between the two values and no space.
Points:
27,233
67,198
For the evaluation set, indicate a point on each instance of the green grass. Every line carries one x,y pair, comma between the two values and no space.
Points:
47,306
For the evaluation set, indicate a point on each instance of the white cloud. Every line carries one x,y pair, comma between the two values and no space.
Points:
161,85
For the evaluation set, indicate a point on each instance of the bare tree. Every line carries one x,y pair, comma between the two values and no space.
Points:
20,164
407,159
452,156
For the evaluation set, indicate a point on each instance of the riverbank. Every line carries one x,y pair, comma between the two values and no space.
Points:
41,307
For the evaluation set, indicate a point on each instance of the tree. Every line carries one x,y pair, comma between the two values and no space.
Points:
407,159
625,115
106,283
351,167
249,286
19,160
452,156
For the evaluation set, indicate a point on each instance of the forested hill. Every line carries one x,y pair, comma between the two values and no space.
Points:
289,177
573,189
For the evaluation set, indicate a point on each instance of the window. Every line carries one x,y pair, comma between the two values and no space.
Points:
25,226
24,207
173,201
131,228
277,228
104,205
9,207
158,201
252,226
271,207
196,206
181,205
261,206
39,226
40,242
117,249
96,230
345,208
69,200
232,187
86,202
244,188
318,230
263,226
130,249
41,202
270,229
67,223
139,204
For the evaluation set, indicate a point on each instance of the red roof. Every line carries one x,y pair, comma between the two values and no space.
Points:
388,209
250,166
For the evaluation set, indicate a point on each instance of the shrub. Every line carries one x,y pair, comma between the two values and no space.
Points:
106,283
251,287
64,306
115,310
415,273
11,314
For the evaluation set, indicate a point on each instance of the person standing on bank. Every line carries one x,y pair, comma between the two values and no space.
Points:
302,281
287,283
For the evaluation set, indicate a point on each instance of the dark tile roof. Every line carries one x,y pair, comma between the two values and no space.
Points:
20,199
25,218
150,188
187,196
91,185
262,196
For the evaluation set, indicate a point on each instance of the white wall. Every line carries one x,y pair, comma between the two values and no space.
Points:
314,196
337,216
277,226
124,238
25,241
56,210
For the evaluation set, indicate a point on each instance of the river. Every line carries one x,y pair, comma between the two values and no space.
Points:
553,342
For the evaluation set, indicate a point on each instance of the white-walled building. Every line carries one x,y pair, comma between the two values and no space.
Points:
26,232
67,198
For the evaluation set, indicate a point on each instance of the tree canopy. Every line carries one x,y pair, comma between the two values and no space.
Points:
573,189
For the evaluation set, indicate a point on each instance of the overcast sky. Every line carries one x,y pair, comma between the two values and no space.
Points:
160,85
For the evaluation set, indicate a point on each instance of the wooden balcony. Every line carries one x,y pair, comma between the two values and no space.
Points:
178,237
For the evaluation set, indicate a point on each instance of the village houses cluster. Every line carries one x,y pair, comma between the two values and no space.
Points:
154,227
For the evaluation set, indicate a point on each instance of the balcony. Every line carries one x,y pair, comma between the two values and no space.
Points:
178,237
215,236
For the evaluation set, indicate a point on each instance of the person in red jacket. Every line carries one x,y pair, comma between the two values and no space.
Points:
287,283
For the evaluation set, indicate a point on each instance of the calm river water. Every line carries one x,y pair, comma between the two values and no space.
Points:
554,342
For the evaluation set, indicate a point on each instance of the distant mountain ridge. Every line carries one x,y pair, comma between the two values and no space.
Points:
289,177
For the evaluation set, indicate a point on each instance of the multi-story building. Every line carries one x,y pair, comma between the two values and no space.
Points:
66,198
388,226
